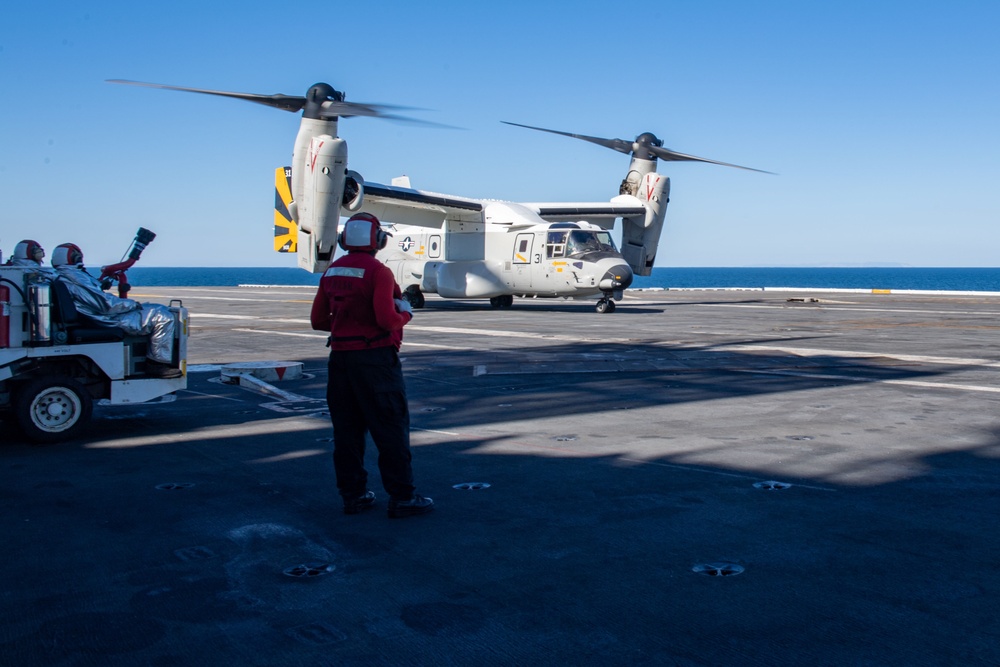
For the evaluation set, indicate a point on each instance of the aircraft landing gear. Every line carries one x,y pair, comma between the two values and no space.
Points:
414,296
502,301
605,306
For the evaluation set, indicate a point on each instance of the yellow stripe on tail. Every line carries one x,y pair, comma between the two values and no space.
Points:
286,232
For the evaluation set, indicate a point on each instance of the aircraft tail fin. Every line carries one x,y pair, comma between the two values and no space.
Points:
286,230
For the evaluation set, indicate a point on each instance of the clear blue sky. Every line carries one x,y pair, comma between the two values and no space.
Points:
881,118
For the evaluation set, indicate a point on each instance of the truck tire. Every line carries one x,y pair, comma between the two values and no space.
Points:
52,409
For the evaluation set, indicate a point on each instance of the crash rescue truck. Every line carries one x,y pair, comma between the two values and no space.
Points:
55,362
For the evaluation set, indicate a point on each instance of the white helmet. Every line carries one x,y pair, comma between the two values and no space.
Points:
28,249
67,253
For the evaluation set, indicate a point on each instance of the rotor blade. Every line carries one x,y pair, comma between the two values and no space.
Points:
351,109
347,109
673,156
619,145
284,102
375,109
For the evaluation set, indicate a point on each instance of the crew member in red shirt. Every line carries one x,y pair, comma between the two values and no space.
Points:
360,304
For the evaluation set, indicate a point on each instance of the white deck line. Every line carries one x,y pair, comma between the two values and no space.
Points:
835,290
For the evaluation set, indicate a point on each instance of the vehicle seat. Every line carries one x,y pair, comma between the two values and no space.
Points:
77,327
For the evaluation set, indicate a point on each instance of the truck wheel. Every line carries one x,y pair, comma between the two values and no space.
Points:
52,409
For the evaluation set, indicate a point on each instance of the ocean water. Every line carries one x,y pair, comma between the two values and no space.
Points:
219,276
950,279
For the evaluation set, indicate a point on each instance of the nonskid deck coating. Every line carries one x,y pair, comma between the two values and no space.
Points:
621,452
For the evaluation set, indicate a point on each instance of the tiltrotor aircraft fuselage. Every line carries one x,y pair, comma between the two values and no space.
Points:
459,247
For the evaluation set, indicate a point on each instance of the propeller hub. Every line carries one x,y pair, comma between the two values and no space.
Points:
648,138
643,143
317,95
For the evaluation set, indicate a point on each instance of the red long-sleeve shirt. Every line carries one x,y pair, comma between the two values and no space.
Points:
355,304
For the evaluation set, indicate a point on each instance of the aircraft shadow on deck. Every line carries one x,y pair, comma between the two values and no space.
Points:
465,388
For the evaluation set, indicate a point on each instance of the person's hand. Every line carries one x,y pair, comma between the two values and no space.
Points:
403,306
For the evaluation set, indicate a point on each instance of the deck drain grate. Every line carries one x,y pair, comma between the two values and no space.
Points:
174,486
771,485
471,486
565,438
800,437
718,569
309,570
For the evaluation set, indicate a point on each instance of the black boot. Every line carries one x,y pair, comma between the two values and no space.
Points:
415,505
359,504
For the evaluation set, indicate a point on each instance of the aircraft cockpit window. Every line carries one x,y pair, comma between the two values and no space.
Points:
555,245
584,241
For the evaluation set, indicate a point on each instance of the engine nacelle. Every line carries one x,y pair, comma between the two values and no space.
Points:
640,236
318,209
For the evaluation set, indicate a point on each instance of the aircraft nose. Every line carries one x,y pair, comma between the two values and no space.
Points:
618,277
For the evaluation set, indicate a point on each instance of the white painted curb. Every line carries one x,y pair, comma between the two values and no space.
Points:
268,371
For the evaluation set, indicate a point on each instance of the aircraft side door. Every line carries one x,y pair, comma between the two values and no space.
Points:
521,260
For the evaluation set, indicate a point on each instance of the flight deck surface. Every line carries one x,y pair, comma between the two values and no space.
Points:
699,478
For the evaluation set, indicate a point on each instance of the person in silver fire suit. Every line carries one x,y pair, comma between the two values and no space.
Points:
28,254
134,318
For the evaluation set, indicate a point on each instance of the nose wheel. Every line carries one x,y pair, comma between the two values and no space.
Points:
605,306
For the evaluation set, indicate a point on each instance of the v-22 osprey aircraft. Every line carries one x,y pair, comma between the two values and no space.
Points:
459,247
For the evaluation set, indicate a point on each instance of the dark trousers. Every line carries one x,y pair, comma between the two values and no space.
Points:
366,393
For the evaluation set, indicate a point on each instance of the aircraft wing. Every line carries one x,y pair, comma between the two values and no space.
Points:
392,203
602,214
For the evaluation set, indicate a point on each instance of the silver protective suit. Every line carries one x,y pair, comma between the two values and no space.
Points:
134,318
35,272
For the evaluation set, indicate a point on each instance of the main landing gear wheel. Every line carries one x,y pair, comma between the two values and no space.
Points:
52,409
605,306
414,297
502,301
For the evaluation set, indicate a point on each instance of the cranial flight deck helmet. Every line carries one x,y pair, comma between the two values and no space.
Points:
362,232
67,253
28,249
